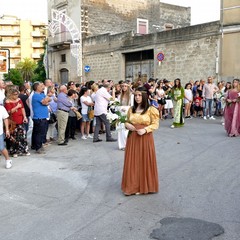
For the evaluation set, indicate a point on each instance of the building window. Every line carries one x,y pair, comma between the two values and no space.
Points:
142,26
63,58
168,26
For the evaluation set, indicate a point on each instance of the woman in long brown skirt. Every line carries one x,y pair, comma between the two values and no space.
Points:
140,175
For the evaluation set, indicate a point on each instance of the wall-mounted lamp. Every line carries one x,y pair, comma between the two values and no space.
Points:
111,54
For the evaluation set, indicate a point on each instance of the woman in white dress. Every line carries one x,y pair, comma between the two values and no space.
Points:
188,98
126,100
161,98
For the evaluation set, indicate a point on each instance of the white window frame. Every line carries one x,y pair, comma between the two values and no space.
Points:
142,20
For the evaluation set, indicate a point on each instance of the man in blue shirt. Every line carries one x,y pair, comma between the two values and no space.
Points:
40,114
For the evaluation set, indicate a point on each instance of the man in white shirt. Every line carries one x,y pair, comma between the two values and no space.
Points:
208,91
102,99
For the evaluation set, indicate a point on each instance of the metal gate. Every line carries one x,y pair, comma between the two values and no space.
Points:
139,69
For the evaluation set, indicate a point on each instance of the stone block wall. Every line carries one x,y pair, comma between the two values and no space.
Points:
116,16
190,53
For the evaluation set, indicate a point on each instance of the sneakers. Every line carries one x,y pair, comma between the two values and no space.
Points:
205,118
172,126
15,155
90,136
213,118
8,164
27,154
83,137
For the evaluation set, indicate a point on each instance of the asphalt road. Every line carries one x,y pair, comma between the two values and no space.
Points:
73,192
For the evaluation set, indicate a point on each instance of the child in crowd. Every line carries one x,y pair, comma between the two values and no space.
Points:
197,106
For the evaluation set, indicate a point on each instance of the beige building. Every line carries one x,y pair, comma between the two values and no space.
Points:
22,38
230,39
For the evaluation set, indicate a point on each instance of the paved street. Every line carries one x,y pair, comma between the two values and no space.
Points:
73,192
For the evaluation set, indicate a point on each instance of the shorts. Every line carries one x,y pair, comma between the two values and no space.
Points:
198,108
2,144
85,118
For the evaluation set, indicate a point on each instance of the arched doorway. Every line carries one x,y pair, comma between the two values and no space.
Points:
64,75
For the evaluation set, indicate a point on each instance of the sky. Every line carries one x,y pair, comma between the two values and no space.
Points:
201,10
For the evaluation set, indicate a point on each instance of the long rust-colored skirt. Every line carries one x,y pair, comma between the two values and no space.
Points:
140,173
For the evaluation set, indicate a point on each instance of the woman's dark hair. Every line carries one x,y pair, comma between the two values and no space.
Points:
145,102
22,88
175,85
187,85
230,86
71,92
82,91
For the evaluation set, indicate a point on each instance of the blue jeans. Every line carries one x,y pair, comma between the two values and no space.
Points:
39,132
208,107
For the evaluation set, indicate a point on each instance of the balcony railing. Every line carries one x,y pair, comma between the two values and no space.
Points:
8,44
36,55
9,33
37,44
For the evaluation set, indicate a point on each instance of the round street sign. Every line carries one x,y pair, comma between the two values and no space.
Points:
160,57
87,68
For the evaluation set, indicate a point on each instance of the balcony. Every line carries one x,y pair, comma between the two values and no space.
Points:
36,55
8,44
15,55
38,23
38,34
37,45
9,33
9,22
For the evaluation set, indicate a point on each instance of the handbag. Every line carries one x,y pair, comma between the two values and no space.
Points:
90,113
52,118
162,101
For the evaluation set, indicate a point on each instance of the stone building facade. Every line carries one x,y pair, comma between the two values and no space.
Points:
97,17
189,53
115,16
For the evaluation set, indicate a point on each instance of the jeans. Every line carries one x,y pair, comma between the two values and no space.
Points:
39,132
102,119
208,107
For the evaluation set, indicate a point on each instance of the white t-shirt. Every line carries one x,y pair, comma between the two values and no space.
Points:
2,96
160,92
102,98
84,106
188,94
3,115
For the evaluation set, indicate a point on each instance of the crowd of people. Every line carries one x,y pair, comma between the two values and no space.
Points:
57,112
